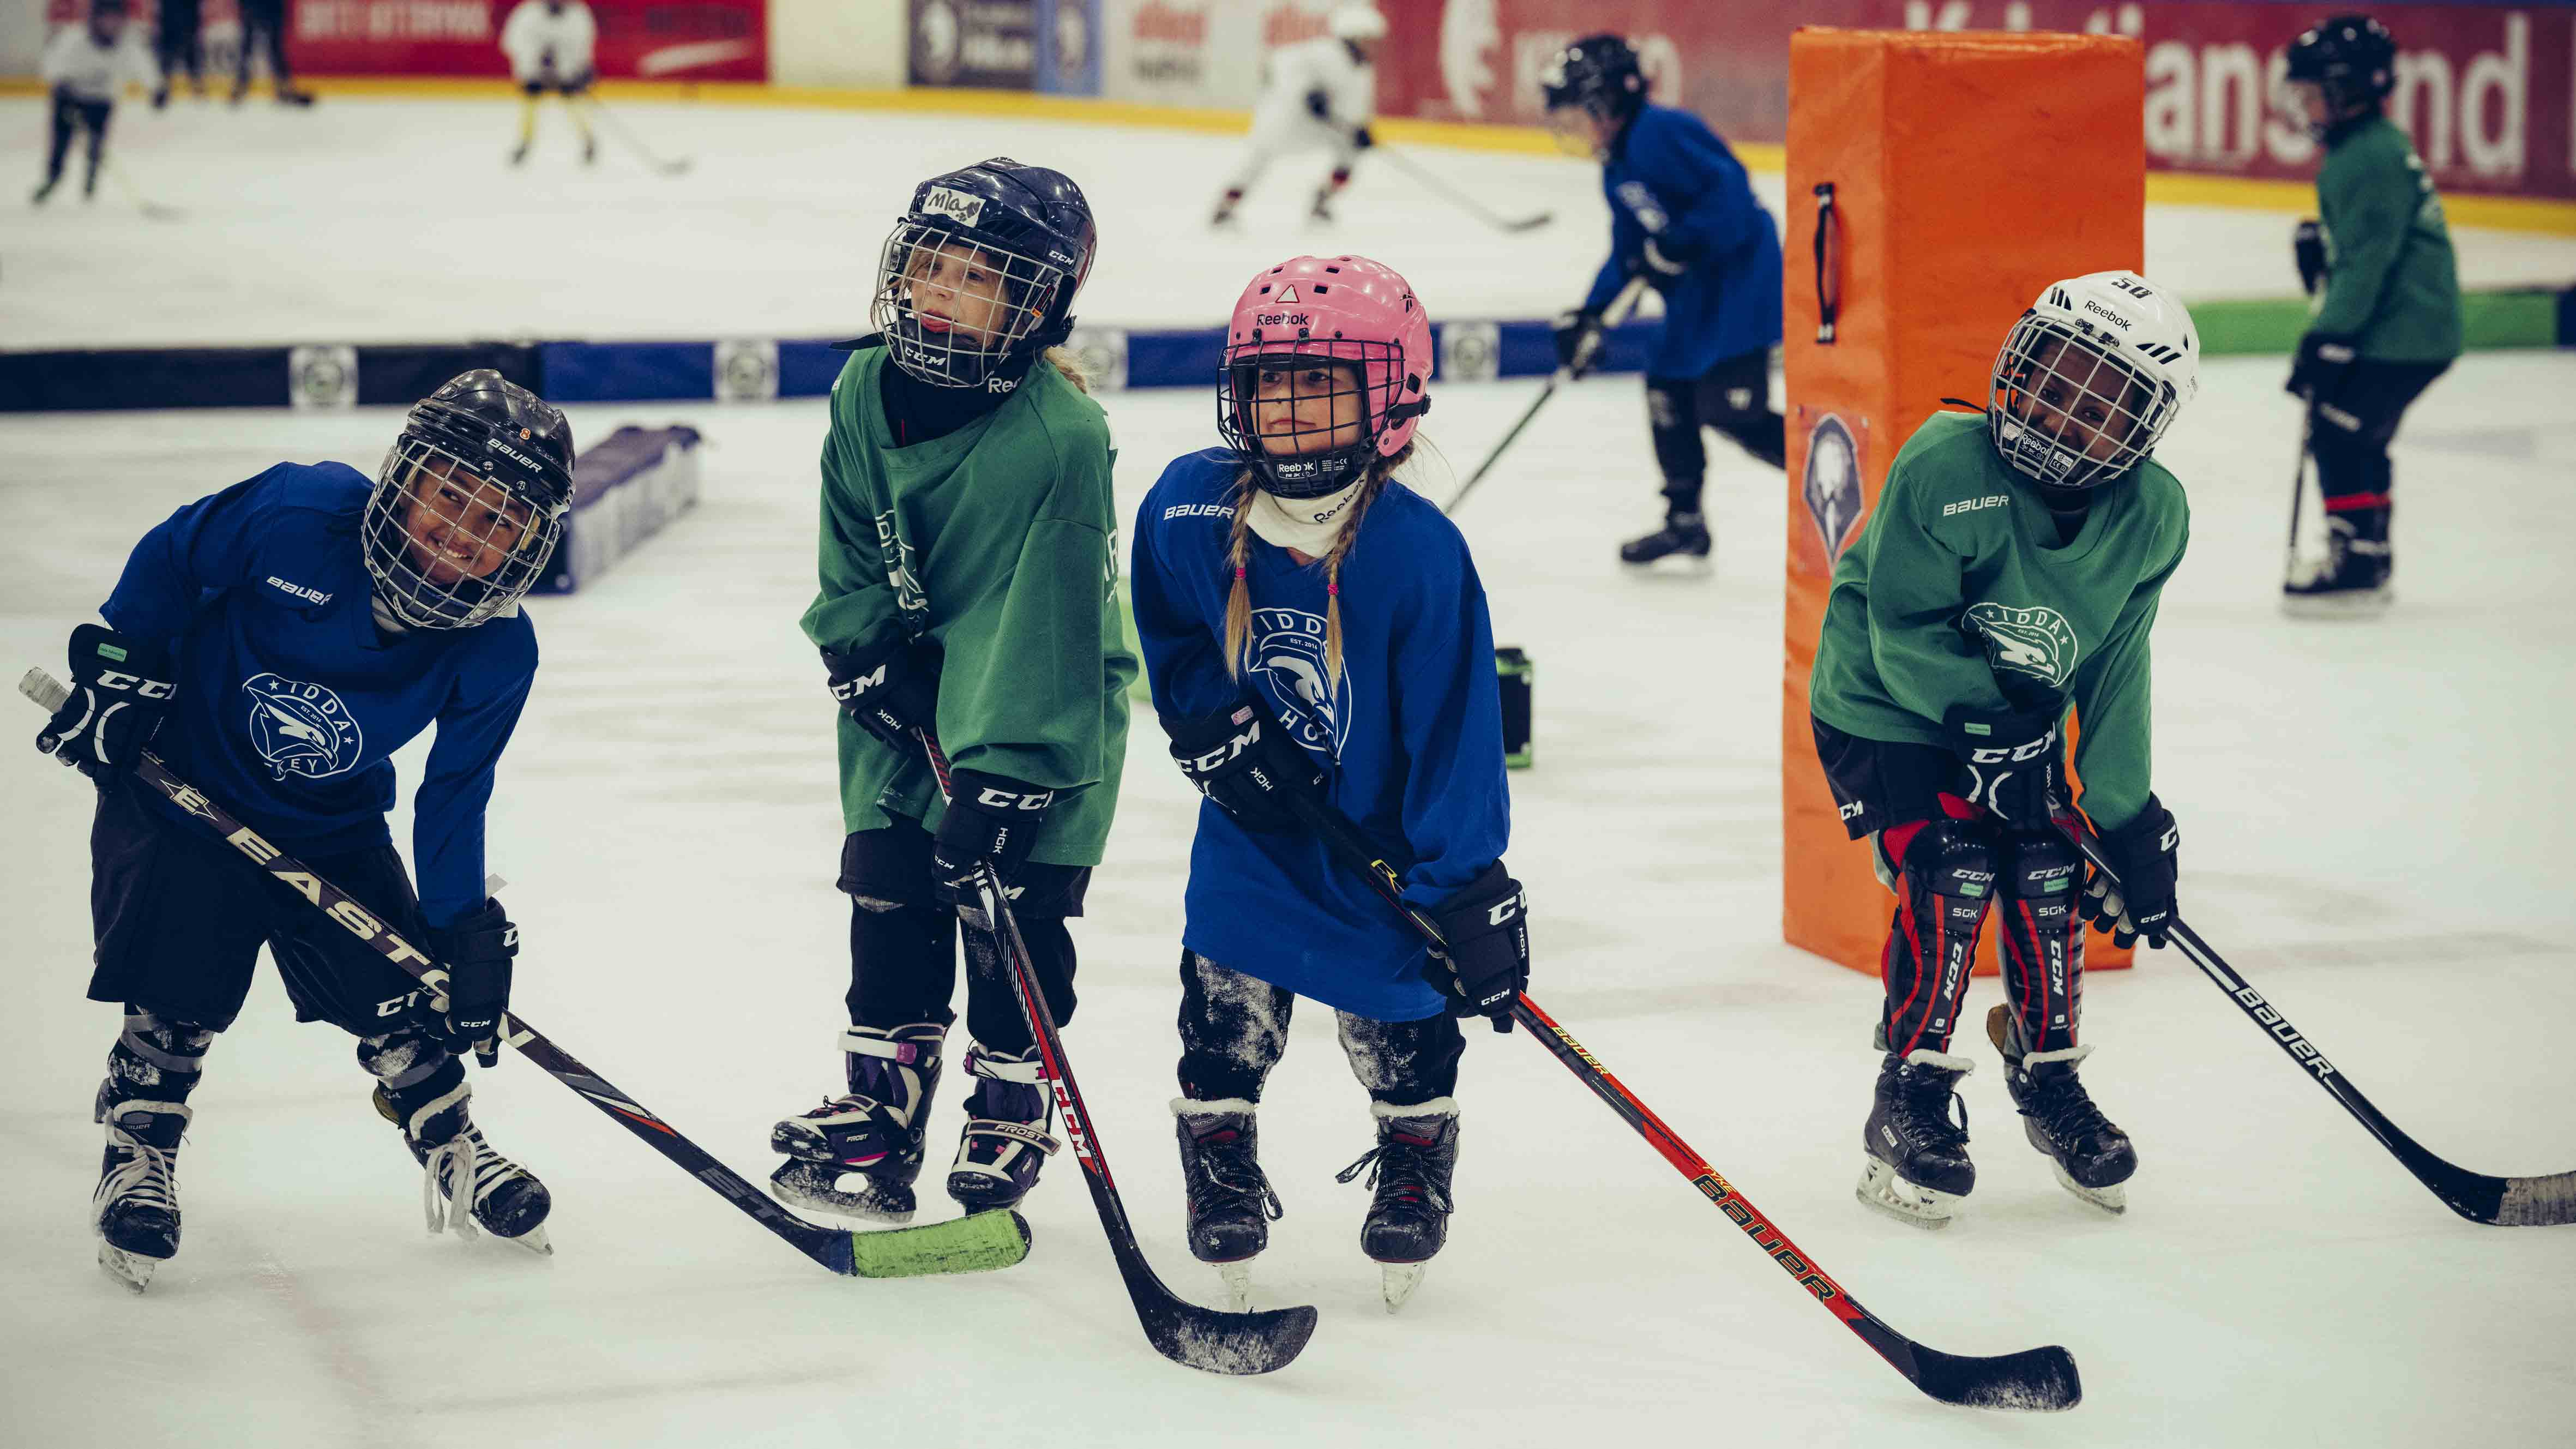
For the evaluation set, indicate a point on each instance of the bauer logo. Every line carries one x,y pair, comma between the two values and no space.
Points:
962,207
1831,486
2037,642
1287,652
300,729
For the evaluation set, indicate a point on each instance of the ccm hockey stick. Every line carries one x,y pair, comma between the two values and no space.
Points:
1433,181
1201,1338
1618,313
966,1245
2034,1379
2509,1202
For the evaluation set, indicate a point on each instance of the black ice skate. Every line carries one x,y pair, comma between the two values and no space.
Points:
136,1207
44,190
1410,1168
1683,536
1005,1141
2092,1157
857,1155
1917,1168
1231,1205
2352,583
505,1199
519,154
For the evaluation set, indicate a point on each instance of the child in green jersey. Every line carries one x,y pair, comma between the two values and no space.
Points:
969,560
2388,321
2012,566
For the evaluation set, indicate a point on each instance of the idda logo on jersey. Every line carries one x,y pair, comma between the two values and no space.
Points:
2034,641
300,729
1288,647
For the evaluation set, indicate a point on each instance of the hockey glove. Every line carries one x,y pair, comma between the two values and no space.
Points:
1578,342
475,951
2320,366
121,689
2308,247
891,689
1237,758
2010,761
1361,140
1667,260
1319,105
2147,852
1487,928
990,819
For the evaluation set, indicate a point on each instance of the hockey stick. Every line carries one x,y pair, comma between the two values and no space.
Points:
2032,1380
2298,495
668,166
1433,181
1201,1338
966,1245
1618,313
2510,1202
153,210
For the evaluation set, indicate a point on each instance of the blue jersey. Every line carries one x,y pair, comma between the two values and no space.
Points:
1412,732
290,704
1669,177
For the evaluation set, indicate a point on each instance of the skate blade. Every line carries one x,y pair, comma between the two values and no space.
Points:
865,1205
1673,566
1396,1282
2113,1199
131,1269
1881,1190
534,1240
2351,604
1238,1285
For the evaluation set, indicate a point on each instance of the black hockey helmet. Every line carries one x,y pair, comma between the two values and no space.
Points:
1600,73
2351,58
989,321
470,503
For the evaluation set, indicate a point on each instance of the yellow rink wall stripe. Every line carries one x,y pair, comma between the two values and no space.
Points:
2547,216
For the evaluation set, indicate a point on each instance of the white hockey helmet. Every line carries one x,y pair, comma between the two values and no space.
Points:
1357,22
2089,379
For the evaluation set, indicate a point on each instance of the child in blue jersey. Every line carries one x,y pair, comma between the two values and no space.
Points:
1314,628
275,644
1684,218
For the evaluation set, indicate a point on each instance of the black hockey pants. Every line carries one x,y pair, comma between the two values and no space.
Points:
2349,430
1733,397
71,113
903,942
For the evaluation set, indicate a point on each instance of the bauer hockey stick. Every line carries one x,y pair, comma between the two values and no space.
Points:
1200,1338
1434,182
2034,1379
2510,1202
1618,313
966,1245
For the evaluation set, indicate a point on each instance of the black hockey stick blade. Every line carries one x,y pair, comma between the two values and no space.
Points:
2038,1380
1530,223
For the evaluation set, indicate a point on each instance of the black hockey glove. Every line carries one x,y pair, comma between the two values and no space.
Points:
2319,369
2308,247
1361,139
2010,761
891,689
475,952
1487,928
1578,341
1238,758
2147,852
990,818
121,689
1319,105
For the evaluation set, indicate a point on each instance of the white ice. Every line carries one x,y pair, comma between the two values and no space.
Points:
2376,831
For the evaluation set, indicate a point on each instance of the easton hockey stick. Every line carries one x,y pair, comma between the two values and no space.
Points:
2032,1380
1201,1338
1618,313
1433,181
965,1245
2509,1202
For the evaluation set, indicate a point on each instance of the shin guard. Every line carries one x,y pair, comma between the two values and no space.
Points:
1945,881
2043,938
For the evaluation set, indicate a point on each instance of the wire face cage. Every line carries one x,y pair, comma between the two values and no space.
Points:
2067,412
448,546
1307,414
954,311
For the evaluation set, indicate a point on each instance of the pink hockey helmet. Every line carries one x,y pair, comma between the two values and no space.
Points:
1327,366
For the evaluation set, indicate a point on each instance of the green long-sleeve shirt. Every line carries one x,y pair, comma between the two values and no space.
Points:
999,544
1957,594
2392,283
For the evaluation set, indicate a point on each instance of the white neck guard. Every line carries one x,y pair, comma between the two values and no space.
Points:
1308,525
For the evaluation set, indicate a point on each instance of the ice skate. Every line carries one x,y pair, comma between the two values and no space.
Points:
44,190
1410,1169
1322,211
136,1206
857,1155
503,1198
519,154
2352,583
1916,1168
1684,536
1005,1140
2092,1158
1231,1205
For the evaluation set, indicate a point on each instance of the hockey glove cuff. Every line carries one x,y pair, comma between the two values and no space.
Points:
2308,248
891,689
1237,758
2319,369
475,951
121,690
2147,852
1578,341
2011,762
991,819
1487,928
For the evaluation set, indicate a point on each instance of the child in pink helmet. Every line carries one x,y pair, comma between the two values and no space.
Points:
1312,627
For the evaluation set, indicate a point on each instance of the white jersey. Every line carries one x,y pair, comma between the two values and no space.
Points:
77,65
549,45
1325,65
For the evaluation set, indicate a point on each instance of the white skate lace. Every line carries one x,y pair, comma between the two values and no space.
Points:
452,1159
146,1176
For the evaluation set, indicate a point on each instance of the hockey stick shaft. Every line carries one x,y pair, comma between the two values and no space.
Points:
1435,182
632,142
2298,496
1618,313
2042,1378
834,1249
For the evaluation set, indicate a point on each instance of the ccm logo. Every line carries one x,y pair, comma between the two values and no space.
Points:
134,684
860,684
1503,911
2030,751
992,799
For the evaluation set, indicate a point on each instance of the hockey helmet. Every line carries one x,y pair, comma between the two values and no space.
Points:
1327,367
979,276
470,503
2090,378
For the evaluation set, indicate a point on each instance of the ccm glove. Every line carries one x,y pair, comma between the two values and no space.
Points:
2147,852
2308,248
2320,366
1487,928
121,689
1578,341
891,689
991,818
475,951
2010,761
1237,758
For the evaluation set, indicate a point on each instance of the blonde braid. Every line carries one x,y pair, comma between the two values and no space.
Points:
1238,553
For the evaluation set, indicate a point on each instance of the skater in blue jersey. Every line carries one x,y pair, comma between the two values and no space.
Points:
1312,626
275,644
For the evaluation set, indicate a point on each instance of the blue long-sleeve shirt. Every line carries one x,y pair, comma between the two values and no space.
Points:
1412,734
290,704
1670,178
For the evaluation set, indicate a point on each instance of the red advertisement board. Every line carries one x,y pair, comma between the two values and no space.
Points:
647,39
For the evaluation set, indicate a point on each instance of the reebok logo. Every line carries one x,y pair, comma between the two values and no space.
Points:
2105,313
298,591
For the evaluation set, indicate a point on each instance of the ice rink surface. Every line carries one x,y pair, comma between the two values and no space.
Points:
2375,829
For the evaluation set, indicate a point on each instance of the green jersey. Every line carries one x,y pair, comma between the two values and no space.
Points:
2392,284
1957,593
999,543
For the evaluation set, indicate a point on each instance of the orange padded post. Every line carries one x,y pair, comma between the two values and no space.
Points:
1965,171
